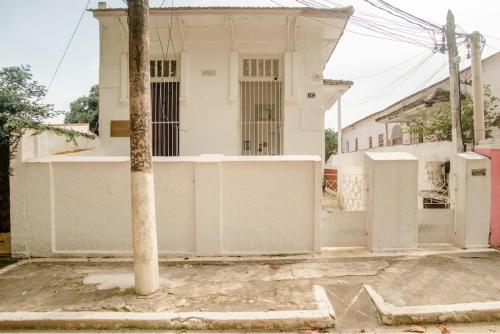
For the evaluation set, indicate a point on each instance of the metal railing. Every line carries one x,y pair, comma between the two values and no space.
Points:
344,192
435,190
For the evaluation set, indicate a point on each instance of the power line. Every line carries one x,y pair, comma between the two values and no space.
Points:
67,46
399,80
390,30
389,68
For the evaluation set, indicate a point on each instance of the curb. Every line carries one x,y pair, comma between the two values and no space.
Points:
322,318
428,314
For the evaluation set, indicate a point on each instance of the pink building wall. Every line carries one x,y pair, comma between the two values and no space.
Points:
494,155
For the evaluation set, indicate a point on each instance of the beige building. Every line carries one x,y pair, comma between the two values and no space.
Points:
225,80
387,127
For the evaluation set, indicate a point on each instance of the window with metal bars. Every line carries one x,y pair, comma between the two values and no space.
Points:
380,140
163,68
261,104
165,88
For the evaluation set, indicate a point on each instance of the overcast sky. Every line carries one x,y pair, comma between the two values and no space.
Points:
35,32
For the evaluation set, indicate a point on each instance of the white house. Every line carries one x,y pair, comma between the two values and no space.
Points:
238,103
225,80
387,127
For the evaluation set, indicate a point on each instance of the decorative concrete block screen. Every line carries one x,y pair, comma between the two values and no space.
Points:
208,205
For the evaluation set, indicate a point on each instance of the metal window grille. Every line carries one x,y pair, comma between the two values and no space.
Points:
356,144
380,140
344,192
261,105
370,142
436,186
165,88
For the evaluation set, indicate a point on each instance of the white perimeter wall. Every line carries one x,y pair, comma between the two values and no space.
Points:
348,228
209,205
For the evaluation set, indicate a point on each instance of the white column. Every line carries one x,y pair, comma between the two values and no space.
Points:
124,88
208,217
473,200
386,135
233,76
477,87
339,124
184,93
392,201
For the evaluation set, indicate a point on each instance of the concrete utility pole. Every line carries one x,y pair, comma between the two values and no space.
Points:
453,59
145,246
477,87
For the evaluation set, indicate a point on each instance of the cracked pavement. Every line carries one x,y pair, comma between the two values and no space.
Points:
280,284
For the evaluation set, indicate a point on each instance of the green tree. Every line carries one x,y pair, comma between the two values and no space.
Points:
85,109
21,110
330,143
434,124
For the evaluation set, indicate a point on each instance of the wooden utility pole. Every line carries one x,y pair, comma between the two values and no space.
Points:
453,59
145,246
477,87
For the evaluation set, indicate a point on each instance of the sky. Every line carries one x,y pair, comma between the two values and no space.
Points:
36,32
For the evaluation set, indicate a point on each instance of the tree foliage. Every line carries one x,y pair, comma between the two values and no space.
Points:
330,143
85,109
434,124
21,110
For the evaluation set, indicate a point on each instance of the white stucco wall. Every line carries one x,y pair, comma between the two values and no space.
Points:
436,226
47,143
363,130
210,108
425,152
343,229
210,205
348,228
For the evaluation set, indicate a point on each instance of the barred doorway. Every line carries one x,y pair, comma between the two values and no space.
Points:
261,107
165,108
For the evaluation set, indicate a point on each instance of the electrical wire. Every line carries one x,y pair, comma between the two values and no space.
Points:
389,68
387,89
409,32
67,47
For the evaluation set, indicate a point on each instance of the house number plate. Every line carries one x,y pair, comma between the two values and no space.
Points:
479,172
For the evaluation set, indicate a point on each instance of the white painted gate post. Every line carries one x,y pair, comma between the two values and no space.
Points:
392,200
473,200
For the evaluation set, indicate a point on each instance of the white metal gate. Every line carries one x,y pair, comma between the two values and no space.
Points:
165,107
261,106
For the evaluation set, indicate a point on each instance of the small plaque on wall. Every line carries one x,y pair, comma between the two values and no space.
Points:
479,172
120,129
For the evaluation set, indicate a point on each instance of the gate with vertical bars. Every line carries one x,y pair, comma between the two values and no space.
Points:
165,87
261,106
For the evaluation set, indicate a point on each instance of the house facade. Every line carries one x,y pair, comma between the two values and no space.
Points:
225,80
388,127
238,102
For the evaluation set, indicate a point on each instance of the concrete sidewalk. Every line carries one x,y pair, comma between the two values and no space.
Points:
264,294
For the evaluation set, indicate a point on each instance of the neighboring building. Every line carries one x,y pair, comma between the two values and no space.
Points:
387,127
225,80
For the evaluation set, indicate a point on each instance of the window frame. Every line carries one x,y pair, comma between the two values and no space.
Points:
169,59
